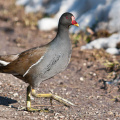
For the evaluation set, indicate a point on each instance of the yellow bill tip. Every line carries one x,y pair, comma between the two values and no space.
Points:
76,25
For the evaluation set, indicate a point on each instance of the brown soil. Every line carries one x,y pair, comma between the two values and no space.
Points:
79,83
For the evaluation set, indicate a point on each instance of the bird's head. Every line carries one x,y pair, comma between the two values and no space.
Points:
68,19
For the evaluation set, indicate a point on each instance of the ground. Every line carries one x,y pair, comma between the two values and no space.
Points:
79,83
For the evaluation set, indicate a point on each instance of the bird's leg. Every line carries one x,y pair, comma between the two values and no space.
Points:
29,102
51,96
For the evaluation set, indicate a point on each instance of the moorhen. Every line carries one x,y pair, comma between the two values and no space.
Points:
41,63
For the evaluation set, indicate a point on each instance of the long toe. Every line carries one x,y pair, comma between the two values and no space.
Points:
29,109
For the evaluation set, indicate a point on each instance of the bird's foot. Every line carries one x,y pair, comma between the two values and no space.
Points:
29,109
51,96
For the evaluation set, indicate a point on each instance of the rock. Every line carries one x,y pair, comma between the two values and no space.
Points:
110,112
15,94
0,83
94,74
81,79
84,64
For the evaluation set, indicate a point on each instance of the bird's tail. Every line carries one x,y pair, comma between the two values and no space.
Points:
3,63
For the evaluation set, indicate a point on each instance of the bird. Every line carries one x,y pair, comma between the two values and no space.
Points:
38,64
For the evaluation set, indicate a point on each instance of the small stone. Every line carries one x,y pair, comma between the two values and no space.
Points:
51,90
94,74
98,97
66,108
61,117
23,101
10,92
24,113
56,114
0,83
91,73
68,93
84,64
117,114
81,79
97,112
20,97
64,89
16,113
10,106
65,77
15,94
1,91
110,112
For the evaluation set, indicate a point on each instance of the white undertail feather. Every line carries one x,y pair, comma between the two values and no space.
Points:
4,63
33,65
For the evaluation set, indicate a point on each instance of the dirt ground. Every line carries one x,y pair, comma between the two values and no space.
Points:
79,83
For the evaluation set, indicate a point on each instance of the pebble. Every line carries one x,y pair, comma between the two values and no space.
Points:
16,113
66,77
107,118
15,94
0,83
23,101
110,112
10,92
91,73
20,97
97,112
68,93
51,90
64,89
10,106
1,91
98,97
94,74
81,79
117,114
24,112
84,64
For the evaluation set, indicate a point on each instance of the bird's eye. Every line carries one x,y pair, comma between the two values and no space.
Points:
67,17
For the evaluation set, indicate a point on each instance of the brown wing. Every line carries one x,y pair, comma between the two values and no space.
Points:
25,60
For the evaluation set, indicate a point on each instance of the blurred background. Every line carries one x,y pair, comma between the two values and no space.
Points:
91,80
98,15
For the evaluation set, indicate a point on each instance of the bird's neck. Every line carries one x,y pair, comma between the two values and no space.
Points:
63,31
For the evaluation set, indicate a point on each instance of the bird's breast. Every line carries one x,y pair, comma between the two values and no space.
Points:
54,61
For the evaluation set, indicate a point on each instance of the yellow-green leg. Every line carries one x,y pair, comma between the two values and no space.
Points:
51,96
29,108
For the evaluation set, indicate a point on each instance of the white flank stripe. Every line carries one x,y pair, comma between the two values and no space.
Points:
33,65
4,63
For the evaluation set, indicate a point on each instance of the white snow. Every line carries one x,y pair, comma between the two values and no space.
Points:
109,44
